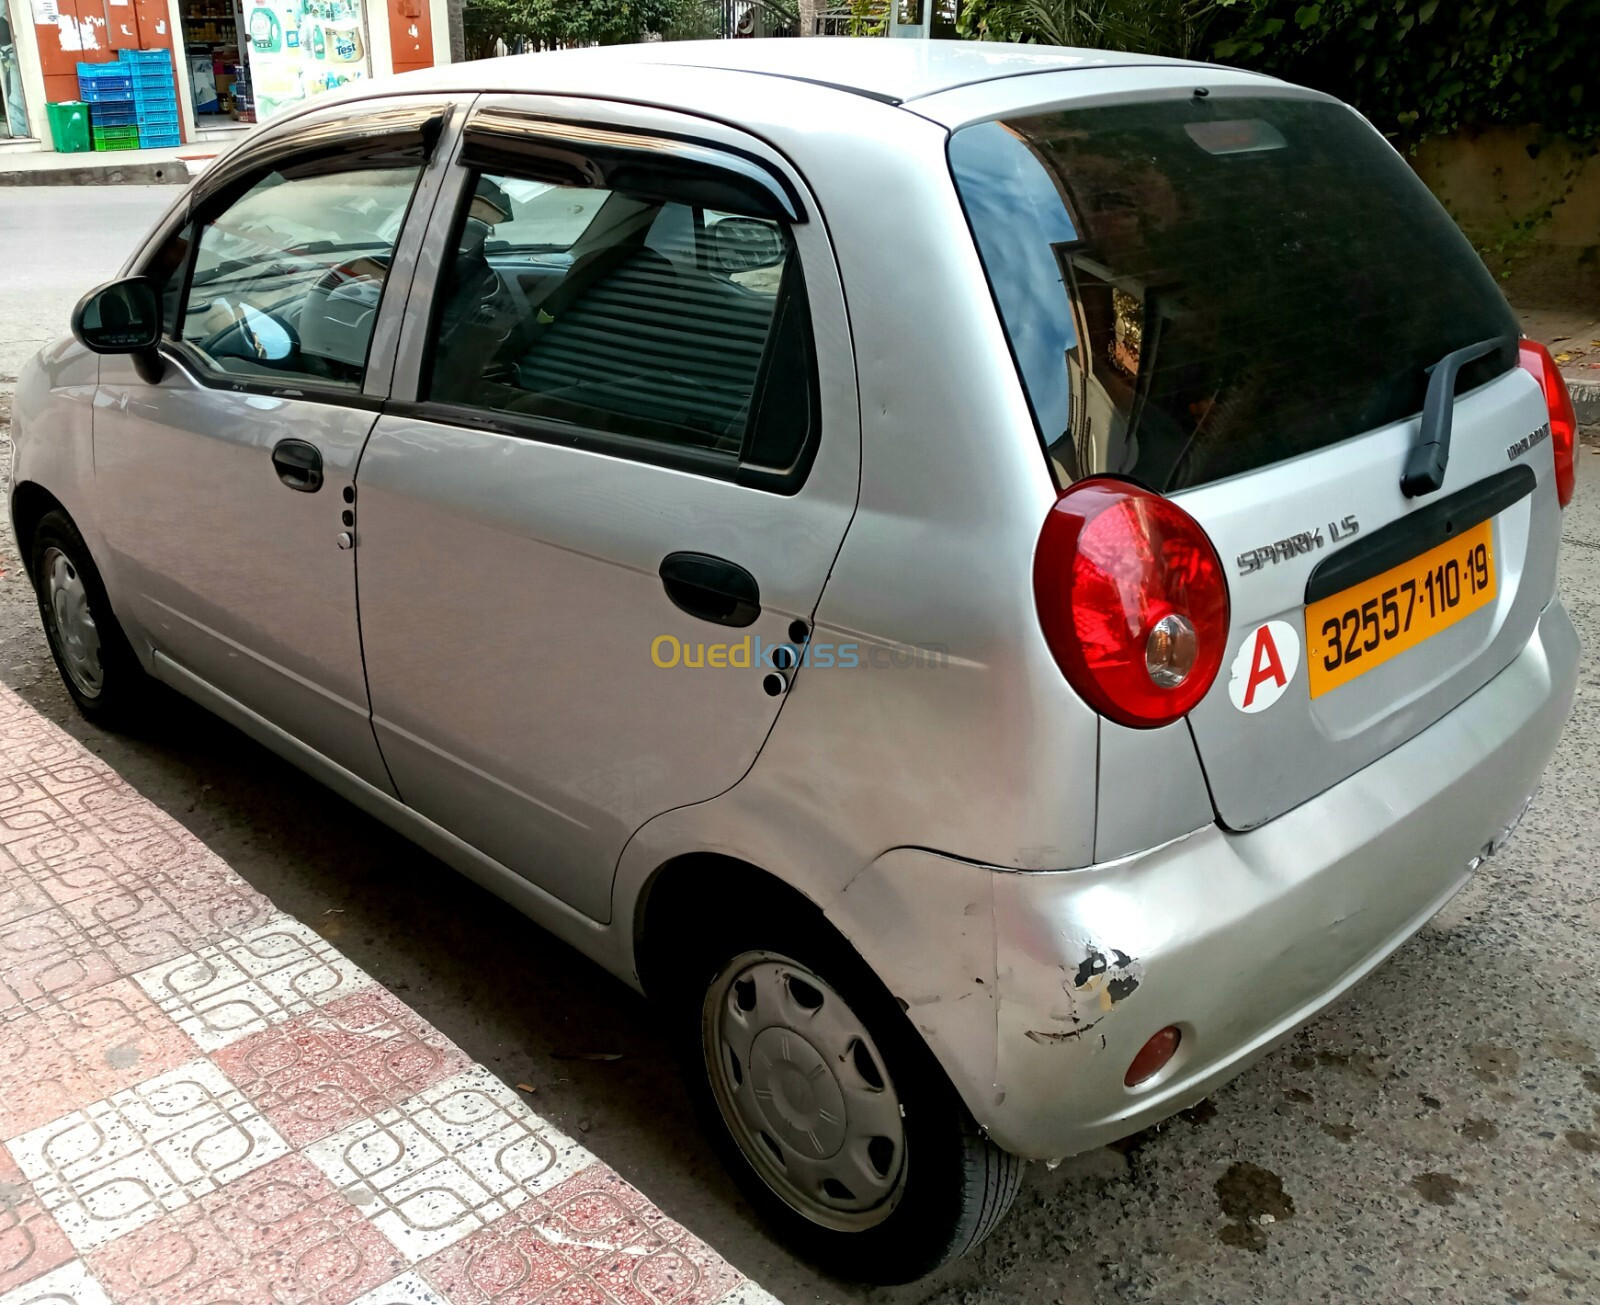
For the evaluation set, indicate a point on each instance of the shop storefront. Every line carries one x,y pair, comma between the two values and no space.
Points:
234,62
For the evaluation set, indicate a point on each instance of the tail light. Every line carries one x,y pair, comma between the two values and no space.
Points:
1133,601
1537,362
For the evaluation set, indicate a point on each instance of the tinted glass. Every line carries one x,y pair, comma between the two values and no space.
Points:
621,314
287,280
1196,288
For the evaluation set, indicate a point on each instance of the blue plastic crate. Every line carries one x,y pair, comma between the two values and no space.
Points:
157,121
153,94
98,93
146,56
141,72
113,113
92,71
149,140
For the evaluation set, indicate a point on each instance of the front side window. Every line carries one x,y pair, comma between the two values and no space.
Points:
287,279
627,315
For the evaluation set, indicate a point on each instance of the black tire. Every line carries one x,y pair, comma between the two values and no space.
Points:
122,683
957,1186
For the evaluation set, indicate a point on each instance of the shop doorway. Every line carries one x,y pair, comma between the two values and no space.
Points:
218,64
13,111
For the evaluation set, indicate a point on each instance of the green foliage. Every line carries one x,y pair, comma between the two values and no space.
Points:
1174,27
1420,68
1417,68
550,23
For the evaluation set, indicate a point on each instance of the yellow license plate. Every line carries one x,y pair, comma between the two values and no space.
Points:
1367,624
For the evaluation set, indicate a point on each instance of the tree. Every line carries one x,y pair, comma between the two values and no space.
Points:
546,24
1170,27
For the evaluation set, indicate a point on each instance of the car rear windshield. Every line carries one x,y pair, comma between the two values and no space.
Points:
1200,286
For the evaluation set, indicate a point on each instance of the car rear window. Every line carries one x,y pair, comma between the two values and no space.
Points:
1194,288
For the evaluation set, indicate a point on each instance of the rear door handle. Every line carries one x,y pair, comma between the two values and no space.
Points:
299,465
711,588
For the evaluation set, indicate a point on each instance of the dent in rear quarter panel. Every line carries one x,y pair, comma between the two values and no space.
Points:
52,431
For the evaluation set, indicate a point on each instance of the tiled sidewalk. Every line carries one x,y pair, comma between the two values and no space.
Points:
201,1100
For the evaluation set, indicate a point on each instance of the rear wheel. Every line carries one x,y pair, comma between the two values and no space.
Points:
92,654
830,1111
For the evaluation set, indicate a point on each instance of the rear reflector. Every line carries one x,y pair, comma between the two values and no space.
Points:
1153,1056
1537,362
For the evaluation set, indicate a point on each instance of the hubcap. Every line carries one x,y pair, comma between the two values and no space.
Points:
67,601
804,1091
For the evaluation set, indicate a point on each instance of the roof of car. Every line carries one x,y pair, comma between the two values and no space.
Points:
893,71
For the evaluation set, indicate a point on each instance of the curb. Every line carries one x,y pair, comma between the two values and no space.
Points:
171,173
1585,400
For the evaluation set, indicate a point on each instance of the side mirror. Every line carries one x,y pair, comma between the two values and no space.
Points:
745,244
122,317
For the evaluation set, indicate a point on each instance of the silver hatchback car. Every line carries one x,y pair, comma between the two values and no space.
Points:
993,582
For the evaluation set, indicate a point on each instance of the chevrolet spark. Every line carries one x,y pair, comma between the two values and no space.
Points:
992,582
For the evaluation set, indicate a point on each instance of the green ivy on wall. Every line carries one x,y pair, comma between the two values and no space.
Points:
1420,68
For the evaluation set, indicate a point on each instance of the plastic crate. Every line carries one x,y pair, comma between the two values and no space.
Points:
158,139
163,57
113,113
104,73
116,138
143,75
91,93
154,94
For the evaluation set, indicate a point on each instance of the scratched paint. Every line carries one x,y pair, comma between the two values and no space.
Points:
1103,978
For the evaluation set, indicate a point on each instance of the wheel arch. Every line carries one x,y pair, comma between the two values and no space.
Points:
684,885
30,502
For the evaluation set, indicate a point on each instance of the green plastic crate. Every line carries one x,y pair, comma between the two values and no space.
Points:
116,138
69,126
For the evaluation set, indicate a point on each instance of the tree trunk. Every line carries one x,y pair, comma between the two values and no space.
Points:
807,25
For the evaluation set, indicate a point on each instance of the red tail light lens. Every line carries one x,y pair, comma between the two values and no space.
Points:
1133,601
1538,363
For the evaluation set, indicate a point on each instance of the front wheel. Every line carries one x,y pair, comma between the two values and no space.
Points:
96,664
833,1115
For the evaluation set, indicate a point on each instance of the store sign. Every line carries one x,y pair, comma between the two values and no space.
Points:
300,47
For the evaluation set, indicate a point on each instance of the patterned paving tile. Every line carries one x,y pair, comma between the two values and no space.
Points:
329,1068
80,1049
31,1242
203,1103
280,1236
407,1289
71,1284
122,1162
235,986
20,896
591,1237
108,914
449,1160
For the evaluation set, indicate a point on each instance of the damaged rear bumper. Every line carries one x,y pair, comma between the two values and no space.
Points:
1036,990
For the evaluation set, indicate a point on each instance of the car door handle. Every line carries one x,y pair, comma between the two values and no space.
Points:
711,588
299,465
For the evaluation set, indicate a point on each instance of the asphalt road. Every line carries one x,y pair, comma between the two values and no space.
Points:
1433,1137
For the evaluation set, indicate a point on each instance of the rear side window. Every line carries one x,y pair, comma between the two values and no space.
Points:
1195,288
672,325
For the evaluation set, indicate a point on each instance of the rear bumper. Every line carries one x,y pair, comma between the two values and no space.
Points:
1038,997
